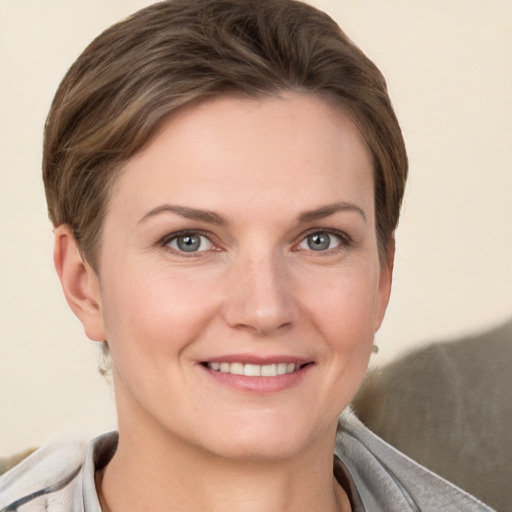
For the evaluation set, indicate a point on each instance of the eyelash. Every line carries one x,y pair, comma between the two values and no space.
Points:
345,241
167,239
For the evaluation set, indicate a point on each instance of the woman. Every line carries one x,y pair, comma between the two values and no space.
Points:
225,179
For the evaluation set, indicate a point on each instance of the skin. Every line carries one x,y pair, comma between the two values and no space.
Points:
269,172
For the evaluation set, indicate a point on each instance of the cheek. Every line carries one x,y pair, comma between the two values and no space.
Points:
155,310
344,315
344,307
340,308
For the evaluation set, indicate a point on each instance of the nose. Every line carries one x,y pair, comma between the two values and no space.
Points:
259,296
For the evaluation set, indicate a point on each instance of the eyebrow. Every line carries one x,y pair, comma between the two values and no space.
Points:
213,218
188,213
328,210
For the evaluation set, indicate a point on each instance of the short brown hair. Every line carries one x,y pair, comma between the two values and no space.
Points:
174,52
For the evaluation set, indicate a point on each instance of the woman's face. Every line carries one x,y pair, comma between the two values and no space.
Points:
240,285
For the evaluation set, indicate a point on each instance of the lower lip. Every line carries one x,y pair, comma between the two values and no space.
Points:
259,384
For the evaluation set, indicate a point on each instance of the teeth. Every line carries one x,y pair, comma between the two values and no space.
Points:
281,368
254,370
236,368
269,370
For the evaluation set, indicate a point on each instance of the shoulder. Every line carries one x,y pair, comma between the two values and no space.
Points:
384,477
56,478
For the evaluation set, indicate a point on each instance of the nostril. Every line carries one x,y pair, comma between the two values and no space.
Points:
264,328
258,300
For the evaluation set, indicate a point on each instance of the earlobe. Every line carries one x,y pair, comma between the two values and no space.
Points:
385,281
79,283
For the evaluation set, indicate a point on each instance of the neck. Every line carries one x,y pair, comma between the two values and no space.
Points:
161,473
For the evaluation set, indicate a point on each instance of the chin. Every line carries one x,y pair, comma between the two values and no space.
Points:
267,441
259,450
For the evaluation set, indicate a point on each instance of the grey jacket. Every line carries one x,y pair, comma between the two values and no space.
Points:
378,478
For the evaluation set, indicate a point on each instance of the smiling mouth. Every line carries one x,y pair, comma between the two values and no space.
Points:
254,370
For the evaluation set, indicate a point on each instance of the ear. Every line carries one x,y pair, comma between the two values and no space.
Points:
79,282
385,281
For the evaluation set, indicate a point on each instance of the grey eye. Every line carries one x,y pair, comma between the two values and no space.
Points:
188,243
191,242
320,241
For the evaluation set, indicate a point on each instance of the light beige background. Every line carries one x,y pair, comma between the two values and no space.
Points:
449,69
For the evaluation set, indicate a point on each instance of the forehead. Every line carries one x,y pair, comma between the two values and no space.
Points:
243,150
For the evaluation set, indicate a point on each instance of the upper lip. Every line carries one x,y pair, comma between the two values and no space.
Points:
257,359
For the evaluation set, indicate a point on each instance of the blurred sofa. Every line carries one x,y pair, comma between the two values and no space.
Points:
449,406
